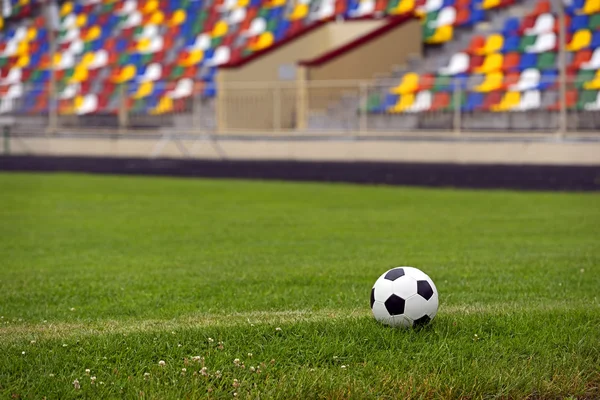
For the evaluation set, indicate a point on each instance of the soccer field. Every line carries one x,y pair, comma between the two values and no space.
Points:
261,290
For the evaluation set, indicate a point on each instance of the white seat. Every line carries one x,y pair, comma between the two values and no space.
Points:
20,33
221,56
459,63
422,102
543,24
529,79
11,48
100,59
13,76
257,26
594,106
69,21
365,7
89,105
326,10
69,91
14,91
67,60
184,88
72,34
544,42
530,100
432,5
6,105
227,5
237,16
134,19
202,42
446,16
153,73
76,46
129,7
594,62
150,31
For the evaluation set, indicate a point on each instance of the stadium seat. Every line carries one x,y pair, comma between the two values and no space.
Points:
529,79
594,83
493,44
511,61
580,40
570,101
593,61
441,101
491,63
493,81
408,84
544,42
543,24
405,101
530,100
509,101
422,102
587,100
459,63
593,105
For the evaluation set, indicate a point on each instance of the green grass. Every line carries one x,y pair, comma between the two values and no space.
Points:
114,274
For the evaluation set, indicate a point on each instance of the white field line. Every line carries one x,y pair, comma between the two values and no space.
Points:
59,330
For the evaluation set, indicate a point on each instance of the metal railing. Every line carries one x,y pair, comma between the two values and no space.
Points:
504,103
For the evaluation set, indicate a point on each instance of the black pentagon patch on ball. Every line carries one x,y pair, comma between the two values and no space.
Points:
372,297
395,305
424,320
394,274
424,289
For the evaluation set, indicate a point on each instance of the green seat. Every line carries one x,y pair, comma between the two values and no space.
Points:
584,76
585,97
373,101
526,41
216,42
594,22
463,100
177,72
3,61
442,82
147,58
546,61
107,7
392,4
263,12
197,28
123,59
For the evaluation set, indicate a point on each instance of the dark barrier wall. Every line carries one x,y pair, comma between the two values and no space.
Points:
528,177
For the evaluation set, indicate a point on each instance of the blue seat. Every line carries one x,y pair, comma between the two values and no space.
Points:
595,40
448,3
474,100
575,6
511,43
511,28
389,101
282,29
578,22
477,15
210,90
548,79
121,45
528,60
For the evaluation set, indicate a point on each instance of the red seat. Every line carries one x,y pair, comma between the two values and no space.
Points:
527,23
581,57
571,101
426,82
491,99
477,43
441,100
475,62
511,61
541,7
511,79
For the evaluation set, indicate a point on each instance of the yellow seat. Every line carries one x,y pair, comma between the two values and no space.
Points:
165,105
93,34
275,3
126,74
409,84
88,58
31,33
150,7
591,7
487,4
264,40
442,34
300,12
143,44
22,48
242,3
403,7
493,44
178,18
66,8
492,62
81,20
23,61
1,22
508,102
404,102
80,74
193,58
594,84
493,81
157,18
144,90
580,40
220,29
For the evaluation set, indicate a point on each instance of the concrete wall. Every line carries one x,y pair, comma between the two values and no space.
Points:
505,152
242,106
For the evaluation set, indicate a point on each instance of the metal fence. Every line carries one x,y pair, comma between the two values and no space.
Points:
496,103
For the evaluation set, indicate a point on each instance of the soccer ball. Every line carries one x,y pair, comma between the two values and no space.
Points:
404,297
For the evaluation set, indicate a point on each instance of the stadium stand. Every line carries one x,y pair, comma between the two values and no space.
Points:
169,51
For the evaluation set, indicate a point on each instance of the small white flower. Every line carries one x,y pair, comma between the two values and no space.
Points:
252,369
335,357
23,352
183,370
204,372
172,332
197,358
582,270
234,394
87,371
250,355
218,374
161,363
72,309
236,361
343,367
76,384
51,375
178,344
210,340
93,379
32,342
64,345
102,383
236,384
146,376
278,329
